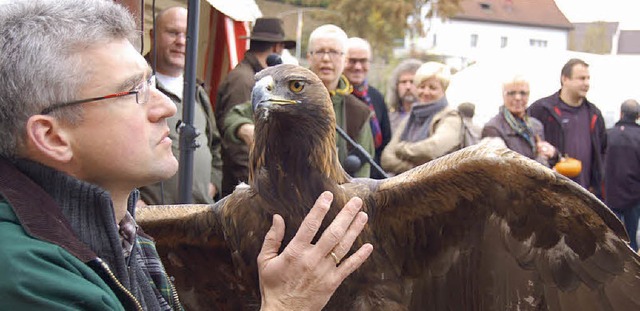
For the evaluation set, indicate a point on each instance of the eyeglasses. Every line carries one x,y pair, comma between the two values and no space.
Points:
333,54
362,61
142,96
521,93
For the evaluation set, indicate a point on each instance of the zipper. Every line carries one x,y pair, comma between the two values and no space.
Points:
120,286
174,295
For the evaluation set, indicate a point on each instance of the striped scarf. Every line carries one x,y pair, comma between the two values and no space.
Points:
362,92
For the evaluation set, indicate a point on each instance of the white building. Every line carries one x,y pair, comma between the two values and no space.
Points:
484,27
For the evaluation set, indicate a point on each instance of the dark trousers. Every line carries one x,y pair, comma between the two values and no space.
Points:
630,217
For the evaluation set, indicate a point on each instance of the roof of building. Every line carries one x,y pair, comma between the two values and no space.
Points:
541,13
629,42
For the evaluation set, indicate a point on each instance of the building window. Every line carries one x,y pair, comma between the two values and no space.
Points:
435,41
474,40
538,43
503,42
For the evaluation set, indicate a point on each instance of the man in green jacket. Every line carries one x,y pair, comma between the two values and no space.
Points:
327,45
81,126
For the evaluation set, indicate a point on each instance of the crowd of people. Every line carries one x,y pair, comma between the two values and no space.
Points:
59,55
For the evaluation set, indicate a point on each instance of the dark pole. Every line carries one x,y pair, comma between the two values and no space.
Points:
188,132
361,153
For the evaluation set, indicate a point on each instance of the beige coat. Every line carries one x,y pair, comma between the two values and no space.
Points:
446,137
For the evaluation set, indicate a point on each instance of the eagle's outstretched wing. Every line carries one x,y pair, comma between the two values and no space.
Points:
488,229
191,241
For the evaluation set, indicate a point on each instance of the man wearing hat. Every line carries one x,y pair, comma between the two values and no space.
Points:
622,169
266,38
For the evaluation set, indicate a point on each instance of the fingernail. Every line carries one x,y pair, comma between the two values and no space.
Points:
327,197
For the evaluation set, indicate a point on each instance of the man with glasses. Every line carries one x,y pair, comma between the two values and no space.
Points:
326,54
326,57
574,125
169,61
81,126
356,70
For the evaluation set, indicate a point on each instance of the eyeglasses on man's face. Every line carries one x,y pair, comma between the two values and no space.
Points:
333,54
141,91
361,61
514,93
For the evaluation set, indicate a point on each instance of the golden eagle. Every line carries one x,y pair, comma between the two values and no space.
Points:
480,229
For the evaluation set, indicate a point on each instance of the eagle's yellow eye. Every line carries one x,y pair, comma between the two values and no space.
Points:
296,86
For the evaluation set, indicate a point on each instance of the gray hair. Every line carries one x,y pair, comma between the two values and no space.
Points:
329,31
41,43
410,65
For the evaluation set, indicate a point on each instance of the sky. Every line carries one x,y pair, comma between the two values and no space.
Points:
624,11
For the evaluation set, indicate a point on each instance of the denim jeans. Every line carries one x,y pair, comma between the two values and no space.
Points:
630,217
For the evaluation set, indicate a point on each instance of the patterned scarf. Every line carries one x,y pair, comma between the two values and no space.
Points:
362,92
521,126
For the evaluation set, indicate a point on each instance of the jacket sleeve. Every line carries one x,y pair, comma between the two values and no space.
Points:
389,160
214,140
365,139
446,136
237,116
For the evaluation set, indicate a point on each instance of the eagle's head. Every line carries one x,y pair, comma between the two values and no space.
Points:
295,124
290,91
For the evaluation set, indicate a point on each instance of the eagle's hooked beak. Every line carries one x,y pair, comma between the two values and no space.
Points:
262,95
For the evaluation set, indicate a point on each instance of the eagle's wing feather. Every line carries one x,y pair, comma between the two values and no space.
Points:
194,244
493,229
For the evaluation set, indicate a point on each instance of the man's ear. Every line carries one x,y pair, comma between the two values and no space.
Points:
49,137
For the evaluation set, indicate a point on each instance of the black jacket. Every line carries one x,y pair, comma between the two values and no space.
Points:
547,110
622,164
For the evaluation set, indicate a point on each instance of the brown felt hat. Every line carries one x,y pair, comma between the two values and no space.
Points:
270,29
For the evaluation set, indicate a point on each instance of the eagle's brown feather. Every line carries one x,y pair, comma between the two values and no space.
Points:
481,229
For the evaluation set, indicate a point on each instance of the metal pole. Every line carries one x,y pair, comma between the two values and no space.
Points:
299,36
188,132
361,153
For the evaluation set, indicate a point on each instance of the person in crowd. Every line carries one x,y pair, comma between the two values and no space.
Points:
168,60
467,110
622,167
432,129
326,55
356,70
520,132
81,126
267,38
401,92
574,125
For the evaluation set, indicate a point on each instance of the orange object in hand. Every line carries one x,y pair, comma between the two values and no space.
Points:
568,166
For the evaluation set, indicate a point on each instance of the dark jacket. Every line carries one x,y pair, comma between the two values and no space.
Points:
499,127
60,247
547,110
622,164
235,89
380,107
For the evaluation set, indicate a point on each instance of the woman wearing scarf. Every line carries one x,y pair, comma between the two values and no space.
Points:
432,129
520,132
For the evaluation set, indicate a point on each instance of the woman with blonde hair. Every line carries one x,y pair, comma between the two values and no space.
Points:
432,129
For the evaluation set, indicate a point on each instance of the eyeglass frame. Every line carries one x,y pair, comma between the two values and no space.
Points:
331,53
514,93
150,84
362,61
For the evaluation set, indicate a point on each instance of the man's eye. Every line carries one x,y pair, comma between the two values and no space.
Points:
296,86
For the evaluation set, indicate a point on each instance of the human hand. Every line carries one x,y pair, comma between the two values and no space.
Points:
545,149
245,133
213,190
304,275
